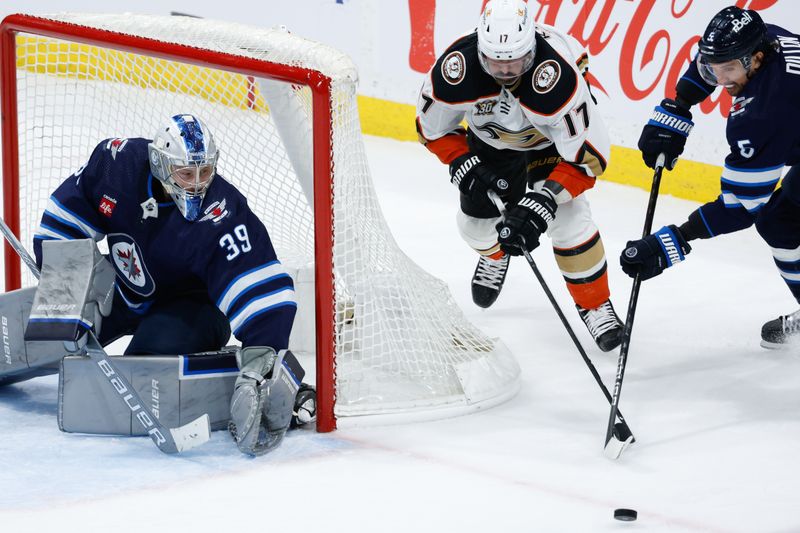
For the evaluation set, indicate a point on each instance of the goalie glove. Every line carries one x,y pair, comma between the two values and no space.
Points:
263,398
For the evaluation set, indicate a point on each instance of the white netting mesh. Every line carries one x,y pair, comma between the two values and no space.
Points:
402,344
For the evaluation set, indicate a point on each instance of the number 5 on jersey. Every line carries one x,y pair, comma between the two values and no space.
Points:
237,245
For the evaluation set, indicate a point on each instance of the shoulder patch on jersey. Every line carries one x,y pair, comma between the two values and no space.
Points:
545,76
739,105
457,76
454,67
115,146
215,212
550,84
107,205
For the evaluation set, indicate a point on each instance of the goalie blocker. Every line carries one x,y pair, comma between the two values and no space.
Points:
40,325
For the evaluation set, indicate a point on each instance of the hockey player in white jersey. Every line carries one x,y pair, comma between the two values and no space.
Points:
535,138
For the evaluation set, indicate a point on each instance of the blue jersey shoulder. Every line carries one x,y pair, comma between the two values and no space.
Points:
762,123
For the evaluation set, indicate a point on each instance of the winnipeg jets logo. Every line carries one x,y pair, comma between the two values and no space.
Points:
115,146
215,212
131,270
128,263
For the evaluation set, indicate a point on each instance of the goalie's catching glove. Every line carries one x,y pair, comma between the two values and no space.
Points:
263,398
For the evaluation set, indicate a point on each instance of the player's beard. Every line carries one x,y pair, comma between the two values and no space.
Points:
734,89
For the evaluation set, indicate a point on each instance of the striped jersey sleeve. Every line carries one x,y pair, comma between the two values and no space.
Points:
70,211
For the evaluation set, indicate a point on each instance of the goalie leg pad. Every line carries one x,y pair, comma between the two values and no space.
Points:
176,389
262,404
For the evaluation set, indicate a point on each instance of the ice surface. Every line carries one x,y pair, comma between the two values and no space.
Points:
717,418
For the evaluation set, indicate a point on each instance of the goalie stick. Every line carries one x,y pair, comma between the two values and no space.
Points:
614,444
620,429
168,440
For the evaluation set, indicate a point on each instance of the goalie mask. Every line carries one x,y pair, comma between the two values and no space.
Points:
183,157
506,40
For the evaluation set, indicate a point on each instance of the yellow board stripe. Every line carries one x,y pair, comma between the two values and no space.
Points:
81,61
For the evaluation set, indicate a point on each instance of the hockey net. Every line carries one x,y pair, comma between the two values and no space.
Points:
388,338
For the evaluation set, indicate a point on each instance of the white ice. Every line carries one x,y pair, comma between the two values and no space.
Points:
717,418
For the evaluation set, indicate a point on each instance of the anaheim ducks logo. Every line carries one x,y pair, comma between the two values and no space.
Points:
546,76
453,68
527,138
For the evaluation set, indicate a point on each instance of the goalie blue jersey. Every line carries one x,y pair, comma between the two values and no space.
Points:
158,254
762,134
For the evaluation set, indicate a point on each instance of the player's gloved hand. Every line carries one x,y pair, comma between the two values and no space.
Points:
649,257
666,133
526,220
473,178
263,398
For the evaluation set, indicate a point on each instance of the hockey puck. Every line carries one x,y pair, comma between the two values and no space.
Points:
626,515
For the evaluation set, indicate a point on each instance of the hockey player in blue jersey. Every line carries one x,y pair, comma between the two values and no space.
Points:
759,65
193,263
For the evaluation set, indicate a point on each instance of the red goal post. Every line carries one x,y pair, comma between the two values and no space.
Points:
59,72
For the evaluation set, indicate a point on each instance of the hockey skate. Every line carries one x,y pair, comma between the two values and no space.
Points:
487,281
604,325
782,333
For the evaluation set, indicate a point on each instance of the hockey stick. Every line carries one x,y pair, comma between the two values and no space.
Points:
168,440
614,444
621,428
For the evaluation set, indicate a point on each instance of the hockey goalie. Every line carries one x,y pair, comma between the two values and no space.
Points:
188,264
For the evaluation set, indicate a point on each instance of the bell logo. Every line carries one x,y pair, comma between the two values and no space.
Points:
742,22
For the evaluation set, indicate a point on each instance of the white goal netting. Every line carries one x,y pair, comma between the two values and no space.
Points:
401,344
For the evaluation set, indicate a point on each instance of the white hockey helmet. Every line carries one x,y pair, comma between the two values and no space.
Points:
506,39
183,157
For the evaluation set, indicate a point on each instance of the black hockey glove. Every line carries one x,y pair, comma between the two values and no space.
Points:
651,255
666,133
473,178
526,220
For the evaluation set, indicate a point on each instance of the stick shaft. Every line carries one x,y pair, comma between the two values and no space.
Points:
628,329
501,207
